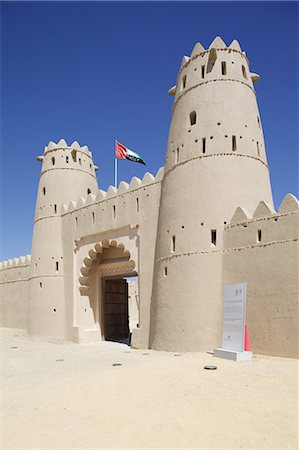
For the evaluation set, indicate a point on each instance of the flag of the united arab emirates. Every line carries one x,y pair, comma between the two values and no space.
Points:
122,152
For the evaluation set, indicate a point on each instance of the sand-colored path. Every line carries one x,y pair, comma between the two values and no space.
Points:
59,396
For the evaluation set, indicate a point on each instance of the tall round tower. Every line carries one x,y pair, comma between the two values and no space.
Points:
215,162
68,173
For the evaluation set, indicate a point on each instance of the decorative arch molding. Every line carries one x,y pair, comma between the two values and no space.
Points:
107,269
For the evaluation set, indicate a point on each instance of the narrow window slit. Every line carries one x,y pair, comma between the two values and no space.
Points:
173,243
165,271
93,218
213,237
177,158
204,145
259,235
137,204
57,266
193,118
114,211
223,68
258,149
234,143
202,71
244,72
55,209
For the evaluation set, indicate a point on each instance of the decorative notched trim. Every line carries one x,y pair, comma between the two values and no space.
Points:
264,211
63,144
91,259
22,261
217,44
113,192
289,204
240,215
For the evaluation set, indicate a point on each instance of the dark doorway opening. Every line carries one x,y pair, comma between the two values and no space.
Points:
116,310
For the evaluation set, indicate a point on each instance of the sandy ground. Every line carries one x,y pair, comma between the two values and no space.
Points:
59,396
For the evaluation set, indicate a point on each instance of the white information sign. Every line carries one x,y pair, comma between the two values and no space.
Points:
234,316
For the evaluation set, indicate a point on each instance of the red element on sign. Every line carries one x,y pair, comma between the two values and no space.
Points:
120,150
247,346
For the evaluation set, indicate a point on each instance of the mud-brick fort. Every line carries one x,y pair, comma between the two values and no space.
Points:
203,221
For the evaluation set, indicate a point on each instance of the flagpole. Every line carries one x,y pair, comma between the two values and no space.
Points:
115,172
115,166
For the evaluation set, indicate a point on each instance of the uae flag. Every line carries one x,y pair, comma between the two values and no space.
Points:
122,152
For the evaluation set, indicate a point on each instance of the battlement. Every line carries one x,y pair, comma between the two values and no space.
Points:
264,211
22,261
112,192
265,227
62,144
218,62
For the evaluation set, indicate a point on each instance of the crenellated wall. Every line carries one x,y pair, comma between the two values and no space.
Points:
124,219
263,252
14,292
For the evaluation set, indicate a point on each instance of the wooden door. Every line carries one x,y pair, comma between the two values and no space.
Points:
116,310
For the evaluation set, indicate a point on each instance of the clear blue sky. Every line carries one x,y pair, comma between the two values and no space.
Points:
95,72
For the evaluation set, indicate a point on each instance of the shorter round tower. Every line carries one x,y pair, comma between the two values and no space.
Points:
67,173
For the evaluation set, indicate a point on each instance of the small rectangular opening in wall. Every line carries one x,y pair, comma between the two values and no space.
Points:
137,204
177,157
202,71
204,145
223,68
259,236
55,209
93,219
67,159
165,271
258,149
76,221
173,243
234,143
57,266
213,237
114,211
192,116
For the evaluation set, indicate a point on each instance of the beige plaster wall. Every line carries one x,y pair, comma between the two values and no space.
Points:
14,292
270,269
126,217
67,172
133,294
201,188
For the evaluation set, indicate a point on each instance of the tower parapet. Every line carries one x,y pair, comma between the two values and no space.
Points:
215,161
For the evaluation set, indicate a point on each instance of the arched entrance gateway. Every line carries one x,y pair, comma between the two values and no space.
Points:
103,310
